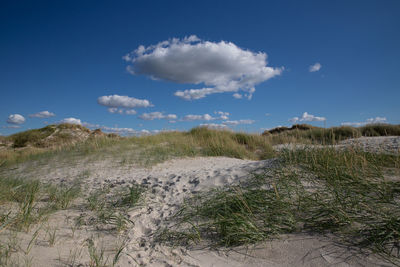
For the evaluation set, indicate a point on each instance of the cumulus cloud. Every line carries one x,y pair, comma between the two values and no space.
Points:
123,104
71,121
375,120
157,115
42,114
237,122
316,67
219,66
307,117
15,119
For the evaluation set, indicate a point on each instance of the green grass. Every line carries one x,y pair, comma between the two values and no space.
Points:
148,150
109,208
25,202
307,133
320,191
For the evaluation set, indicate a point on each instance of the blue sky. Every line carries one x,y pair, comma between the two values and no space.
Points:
63,56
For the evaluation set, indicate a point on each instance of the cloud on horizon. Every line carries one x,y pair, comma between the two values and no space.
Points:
71,120
157,115
237,122
215,126
11,127
368,121
42,114
15,119
314,68
306,117
220,66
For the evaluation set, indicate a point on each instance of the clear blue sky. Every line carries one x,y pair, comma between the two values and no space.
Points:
62,56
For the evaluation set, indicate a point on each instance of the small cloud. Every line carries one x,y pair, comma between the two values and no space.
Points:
205,117
15,119
71,121
120,131
219,66
214,126
267,114
130,112
157,115
122,111
237,96
118,101
222,115
237,122
316,67
42,114
307,117
375,120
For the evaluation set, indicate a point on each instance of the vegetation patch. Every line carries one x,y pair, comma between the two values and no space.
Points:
344,193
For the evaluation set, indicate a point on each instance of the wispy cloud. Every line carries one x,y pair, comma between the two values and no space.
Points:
307,117
237,122
122,111
368,121
11,127
316,67
157,115
15,119
42,114
220,66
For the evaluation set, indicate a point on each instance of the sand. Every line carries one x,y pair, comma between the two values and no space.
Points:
168,184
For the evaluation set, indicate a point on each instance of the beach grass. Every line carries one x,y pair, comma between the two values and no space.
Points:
326,191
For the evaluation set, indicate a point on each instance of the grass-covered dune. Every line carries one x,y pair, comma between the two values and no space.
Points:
309,133
348,194
68,139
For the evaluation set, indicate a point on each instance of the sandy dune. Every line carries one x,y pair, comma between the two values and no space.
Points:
168,184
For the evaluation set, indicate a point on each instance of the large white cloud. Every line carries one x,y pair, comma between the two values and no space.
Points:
307,117
368,121
42,114
15,119
220,66
71,121
316,67
157,115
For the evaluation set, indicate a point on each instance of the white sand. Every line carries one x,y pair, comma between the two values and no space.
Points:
168,184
